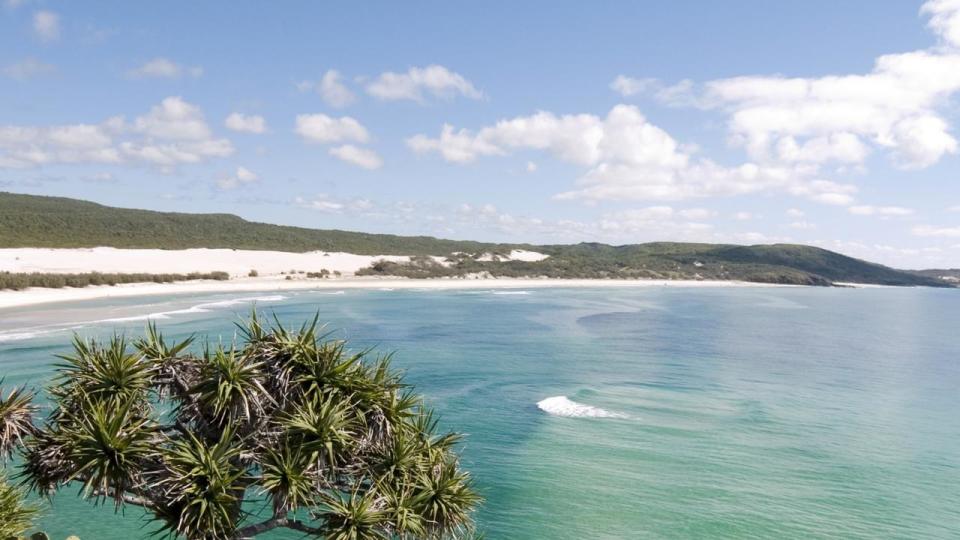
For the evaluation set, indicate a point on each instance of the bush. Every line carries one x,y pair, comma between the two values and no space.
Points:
20,281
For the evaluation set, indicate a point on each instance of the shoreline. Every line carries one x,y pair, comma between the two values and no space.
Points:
35,296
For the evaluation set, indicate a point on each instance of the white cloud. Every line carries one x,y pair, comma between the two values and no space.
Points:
795,213
361,157
802,225
626,157
320,128
176,119
28,68
333,91
435,80
531,167
164,68
241,177
867,210
896,107
171,133
247,123
629,86
944,232
955,208
944,19
325,203
743,216
46,25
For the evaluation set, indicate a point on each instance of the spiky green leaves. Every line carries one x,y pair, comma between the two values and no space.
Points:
354,516
16,515
16,419
110,374
200,487
230,387
324,429
288,477
107,448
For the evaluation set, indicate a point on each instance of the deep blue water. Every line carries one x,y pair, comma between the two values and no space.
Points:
698,413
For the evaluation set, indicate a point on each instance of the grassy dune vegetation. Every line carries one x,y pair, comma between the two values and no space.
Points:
781,263
18,281
33,221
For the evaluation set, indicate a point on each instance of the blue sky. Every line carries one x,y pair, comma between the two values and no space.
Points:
828,123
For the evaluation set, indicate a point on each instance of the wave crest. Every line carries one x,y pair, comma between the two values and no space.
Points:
563,406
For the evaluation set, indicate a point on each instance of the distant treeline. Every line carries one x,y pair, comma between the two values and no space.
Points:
18,281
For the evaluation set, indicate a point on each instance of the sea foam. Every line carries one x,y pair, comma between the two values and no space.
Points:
199,308
563,406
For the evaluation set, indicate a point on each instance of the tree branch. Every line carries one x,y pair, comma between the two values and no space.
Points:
274,523
128,498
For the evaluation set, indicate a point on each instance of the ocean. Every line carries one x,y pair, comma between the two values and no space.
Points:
626,413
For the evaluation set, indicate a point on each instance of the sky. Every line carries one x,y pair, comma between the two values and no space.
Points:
820,122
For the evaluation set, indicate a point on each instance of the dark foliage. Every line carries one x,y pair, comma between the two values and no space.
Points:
9,280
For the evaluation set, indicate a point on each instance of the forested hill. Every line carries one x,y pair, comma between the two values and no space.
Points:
34,221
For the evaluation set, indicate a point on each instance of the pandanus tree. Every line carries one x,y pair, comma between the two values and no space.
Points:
283,428
16,424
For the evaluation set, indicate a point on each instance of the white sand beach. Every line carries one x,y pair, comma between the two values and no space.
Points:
269,265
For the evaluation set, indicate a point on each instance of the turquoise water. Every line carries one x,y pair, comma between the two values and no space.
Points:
703,413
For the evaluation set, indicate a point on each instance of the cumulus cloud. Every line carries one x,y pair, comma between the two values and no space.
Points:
898,107
246,123
173,132
626,157
333,91
887,211
241,177
361,157
46,25
418,82
743,216
164,68
320,128
795,213
944,20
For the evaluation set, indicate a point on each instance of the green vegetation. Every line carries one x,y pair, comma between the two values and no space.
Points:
285,429
780,263
16,515
31,221
20,281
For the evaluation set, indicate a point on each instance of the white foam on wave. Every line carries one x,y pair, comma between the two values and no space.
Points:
19,336
563,406
199,308
512,292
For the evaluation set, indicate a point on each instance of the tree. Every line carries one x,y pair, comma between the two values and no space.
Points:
321,440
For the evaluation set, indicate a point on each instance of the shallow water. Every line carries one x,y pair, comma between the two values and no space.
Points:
631,413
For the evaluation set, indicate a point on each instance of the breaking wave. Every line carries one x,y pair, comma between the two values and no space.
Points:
563,406
199,308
